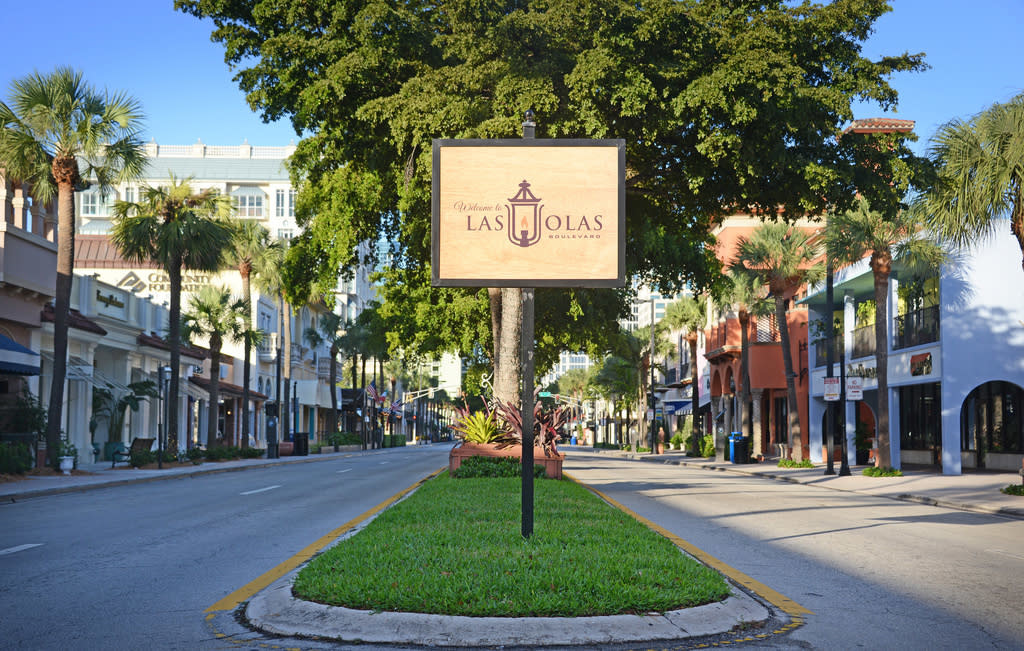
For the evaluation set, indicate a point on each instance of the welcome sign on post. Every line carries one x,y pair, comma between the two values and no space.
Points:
528,213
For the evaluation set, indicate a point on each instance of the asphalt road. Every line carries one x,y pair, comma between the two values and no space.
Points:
876,573
136,566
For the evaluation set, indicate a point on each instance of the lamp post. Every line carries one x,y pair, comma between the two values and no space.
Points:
650,362
163,375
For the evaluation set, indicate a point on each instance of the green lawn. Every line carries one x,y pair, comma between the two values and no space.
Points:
454,547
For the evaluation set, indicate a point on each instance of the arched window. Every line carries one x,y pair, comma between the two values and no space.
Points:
990,419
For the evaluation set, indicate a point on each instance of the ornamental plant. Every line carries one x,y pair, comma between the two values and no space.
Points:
480,427
547,423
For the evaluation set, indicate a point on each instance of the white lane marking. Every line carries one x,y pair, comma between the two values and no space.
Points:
345,470
260,490
19,548
384,462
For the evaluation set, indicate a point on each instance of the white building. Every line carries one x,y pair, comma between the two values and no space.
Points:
956,361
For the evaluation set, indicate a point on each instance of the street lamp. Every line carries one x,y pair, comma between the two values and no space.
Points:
163,376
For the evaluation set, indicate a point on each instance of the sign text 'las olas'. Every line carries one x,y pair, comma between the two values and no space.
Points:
528,213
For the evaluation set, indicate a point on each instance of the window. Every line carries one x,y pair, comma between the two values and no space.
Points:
250,206
991,419
94,205
285,203
285,234
920,417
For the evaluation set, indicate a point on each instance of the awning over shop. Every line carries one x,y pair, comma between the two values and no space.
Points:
677,406
16,359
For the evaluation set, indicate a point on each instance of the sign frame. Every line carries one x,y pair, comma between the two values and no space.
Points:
618,280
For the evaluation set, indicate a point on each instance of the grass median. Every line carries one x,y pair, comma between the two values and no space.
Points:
454,548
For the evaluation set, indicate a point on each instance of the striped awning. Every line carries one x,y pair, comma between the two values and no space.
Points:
16,359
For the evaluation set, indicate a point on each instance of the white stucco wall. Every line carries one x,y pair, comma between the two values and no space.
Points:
982,328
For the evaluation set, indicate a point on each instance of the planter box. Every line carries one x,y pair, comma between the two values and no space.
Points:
285,448
348,448
552,464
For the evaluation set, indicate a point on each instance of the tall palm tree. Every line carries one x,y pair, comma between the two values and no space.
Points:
747,292
898,238
177,229
57,132
329,330
250,253
782,257
271,281
690,314
980,164
215,315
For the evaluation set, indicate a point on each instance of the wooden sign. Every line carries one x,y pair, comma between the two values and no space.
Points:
528,213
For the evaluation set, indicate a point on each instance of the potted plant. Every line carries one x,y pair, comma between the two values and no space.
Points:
67,454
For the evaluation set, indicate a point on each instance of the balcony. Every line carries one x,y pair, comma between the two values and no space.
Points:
916,328
821,350
864,341
267,347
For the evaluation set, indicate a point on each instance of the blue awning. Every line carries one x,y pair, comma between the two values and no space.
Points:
677,406
16,359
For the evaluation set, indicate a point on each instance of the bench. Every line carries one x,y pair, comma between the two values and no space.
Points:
138,445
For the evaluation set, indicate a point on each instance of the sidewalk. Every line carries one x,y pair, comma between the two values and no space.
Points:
977,491
101,475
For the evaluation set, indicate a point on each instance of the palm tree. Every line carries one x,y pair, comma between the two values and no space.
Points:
782,257
271,281
177,229
690,314
900,239
747,292
250,252
331,330
55,125
980,166
215,315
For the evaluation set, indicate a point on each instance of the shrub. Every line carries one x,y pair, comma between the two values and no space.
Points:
1014,489
789,463
252,453
707,446
676,441
15,458
345,438
882,472
195,454
141,458
478,427
477,466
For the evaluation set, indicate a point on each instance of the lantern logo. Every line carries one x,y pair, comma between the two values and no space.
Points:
524,217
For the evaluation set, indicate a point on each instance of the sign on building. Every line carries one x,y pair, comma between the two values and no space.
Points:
831,389
854,388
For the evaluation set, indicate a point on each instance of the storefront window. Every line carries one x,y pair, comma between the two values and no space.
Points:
991,419
920,416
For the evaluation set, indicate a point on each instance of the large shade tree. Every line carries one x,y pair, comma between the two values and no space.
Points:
980,179
59,133
893,239
177,229
783,258
721,108
213,314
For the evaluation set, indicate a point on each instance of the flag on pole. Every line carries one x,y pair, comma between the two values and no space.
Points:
372,390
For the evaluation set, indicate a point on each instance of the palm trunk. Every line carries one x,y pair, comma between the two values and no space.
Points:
174,340
286,421
246,356
506,367
61,309
494,296
332,418
882,266
213,413
745,374
793,416
694,396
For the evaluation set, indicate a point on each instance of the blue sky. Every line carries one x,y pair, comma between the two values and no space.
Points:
165,59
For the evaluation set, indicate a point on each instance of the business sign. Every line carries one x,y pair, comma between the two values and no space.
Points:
854,388
831,389
528,213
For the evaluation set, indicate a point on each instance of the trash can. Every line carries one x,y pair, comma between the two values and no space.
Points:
301,445
739,449
731,454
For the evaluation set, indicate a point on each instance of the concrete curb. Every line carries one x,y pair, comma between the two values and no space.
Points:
275,610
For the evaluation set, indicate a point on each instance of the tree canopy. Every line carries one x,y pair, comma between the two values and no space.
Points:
724,107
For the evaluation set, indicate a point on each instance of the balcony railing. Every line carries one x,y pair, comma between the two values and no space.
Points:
821,351
916,328
267,347
864,341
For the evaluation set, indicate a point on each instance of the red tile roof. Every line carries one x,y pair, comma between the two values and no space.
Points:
225,388
880,125
158,342
98,252
75,320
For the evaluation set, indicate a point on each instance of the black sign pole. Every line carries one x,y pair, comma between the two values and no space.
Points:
526,348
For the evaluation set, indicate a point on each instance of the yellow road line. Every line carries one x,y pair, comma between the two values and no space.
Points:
244,593
782,602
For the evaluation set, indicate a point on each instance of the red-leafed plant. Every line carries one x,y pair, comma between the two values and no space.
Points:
546,424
